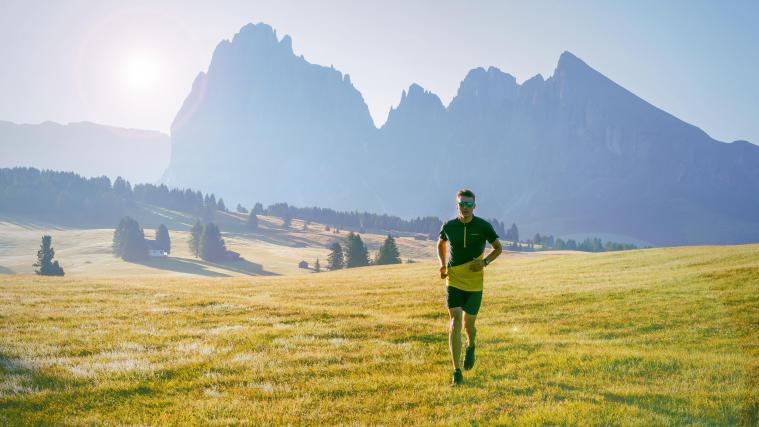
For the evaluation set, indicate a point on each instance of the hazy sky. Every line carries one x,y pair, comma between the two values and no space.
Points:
131,63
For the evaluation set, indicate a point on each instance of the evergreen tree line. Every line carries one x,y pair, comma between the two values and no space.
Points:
593,244
360,221
66,194
353,253
29,190
186,200
549,242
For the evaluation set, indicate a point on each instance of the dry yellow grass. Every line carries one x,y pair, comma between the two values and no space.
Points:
660,336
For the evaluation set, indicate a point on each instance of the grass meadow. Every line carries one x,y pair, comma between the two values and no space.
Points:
269,250
646,337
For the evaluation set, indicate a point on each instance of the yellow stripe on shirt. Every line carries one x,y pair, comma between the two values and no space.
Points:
461,277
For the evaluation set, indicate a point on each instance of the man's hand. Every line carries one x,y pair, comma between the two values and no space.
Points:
476,265
443,272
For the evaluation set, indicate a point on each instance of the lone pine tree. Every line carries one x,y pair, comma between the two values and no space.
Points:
47,267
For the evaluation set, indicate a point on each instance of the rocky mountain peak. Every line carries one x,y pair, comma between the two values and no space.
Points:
491,81
416,104
570,63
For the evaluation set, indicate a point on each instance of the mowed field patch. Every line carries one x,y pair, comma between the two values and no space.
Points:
655,336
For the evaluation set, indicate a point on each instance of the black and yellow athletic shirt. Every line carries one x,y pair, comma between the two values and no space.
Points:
467,241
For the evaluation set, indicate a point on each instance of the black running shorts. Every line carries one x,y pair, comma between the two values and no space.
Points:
468,301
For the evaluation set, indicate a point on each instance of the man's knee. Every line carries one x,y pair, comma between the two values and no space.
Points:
469,323
470,329
456,319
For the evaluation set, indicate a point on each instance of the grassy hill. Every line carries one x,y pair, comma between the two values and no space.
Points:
657,336
85,251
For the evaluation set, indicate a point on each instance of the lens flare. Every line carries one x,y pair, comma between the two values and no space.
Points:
140,72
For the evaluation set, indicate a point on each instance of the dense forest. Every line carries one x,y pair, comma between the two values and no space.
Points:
67,195
359,221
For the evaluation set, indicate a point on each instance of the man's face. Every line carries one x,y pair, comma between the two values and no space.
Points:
465,205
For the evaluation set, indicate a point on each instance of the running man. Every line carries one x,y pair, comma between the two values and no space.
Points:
464,275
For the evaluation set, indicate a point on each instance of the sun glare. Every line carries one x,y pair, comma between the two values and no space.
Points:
140,72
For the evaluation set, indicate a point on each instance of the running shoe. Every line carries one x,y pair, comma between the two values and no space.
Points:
458,377
469,358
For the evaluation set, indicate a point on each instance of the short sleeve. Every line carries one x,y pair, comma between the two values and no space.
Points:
490,233
443,235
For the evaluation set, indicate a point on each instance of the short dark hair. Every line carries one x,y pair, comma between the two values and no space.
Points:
465,192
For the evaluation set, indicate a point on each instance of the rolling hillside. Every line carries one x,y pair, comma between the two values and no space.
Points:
652,337
269,250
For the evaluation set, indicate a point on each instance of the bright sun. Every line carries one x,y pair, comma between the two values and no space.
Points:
140,72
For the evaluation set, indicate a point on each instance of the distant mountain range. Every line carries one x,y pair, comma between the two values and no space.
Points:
86,148
574,154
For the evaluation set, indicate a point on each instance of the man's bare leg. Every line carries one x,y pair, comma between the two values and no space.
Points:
471,330
471,333
454,336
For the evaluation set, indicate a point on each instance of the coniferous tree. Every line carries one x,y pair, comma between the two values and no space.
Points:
129,241
356,254
388,252
209,207
212,246
317,267
122,188
287,219
560,244
221,206
258,208
241,209
252,221
512,233
47,267
335,259
499,228
195,233
162,238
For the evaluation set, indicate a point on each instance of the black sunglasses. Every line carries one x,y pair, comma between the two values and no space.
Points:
467,204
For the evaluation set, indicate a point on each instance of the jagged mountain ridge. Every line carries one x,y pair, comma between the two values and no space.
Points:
572,154
262,115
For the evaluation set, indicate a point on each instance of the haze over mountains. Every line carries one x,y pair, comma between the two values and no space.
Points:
86,148
571,154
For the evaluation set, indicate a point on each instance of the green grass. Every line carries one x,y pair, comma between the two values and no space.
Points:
647,337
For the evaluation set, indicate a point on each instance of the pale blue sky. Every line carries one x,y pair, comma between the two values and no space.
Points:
131,63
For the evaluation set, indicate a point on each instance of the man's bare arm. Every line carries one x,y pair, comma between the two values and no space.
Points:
497,249
441,255
479,264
